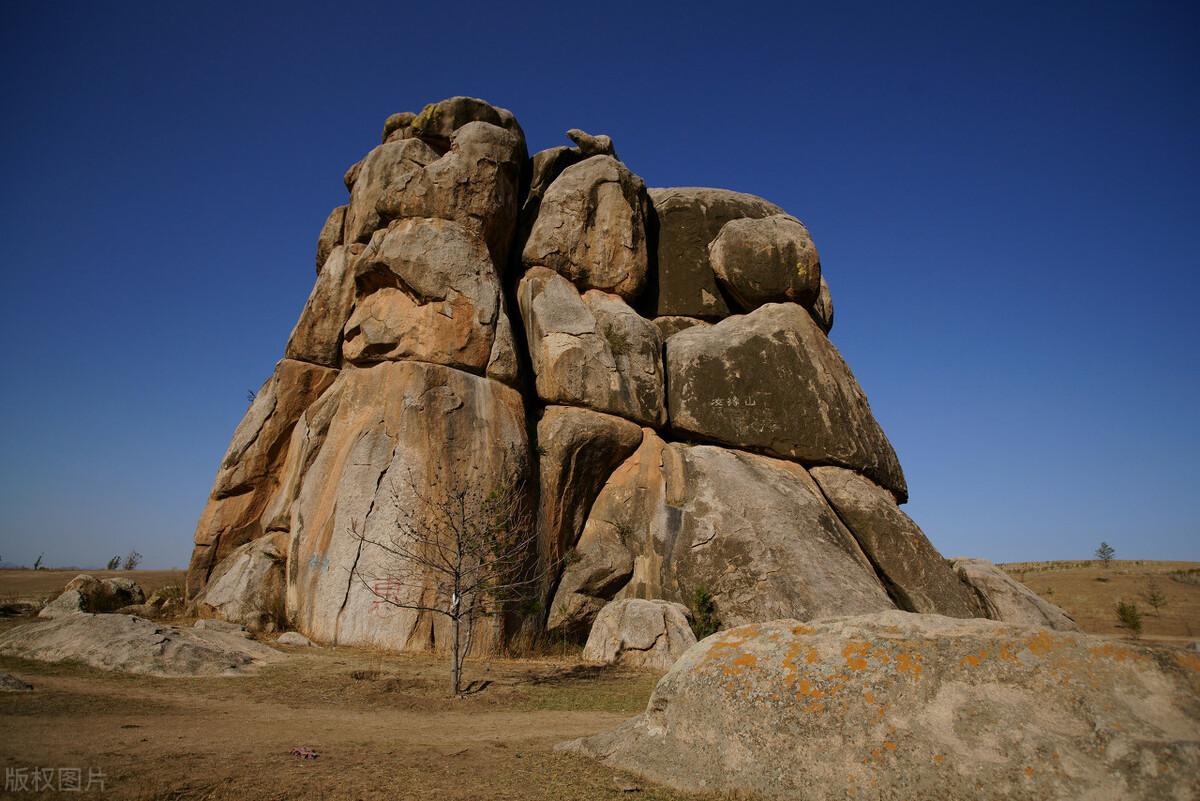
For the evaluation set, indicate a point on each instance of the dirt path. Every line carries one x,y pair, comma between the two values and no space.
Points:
382,725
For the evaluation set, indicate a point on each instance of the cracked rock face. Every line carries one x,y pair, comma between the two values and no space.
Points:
649,368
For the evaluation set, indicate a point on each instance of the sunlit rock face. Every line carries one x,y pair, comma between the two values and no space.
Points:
648,371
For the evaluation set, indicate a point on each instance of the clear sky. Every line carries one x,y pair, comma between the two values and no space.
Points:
1005,196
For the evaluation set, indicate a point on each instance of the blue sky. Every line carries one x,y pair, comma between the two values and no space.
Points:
1005,197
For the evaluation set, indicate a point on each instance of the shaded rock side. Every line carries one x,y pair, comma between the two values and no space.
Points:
916,576
822,310
591,228
754,532
591,350
578,450
686,221
640,633
397,432
331,235
1006,599
770,381
249,472
247,587
135,645
896,705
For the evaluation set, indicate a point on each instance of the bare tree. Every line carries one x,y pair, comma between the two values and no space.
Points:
466,553
132,560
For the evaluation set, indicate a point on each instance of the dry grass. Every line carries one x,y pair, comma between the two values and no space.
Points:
1089,591
28,585
383,725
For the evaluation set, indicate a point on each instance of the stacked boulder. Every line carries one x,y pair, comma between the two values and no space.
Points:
666,398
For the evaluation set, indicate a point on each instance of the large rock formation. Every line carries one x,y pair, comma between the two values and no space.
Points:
897,705
641,634
717,449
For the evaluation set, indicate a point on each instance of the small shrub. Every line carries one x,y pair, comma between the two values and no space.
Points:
1154,596
132,560
704,613
1105,553
1129,617
37,563
113,563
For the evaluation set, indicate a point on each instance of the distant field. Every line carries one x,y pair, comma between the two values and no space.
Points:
38,584
1089,591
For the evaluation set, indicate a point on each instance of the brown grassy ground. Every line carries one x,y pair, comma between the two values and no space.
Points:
1089,591
382,724
21,585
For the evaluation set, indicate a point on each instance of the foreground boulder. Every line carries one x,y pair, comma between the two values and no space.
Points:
86,593
767,260
896,705
639,633
248,588
1004,598
135,645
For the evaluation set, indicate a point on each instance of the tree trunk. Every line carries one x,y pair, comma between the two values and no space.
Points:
456,659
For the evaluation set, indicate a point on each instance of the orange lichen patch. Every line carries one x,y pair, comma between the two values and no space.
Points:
1041,643
869,697
1028,771
790,668
811,656
909,663
814,708
1116,653
807,688
803,630
1189,661
889,745
855,654
969,660
939,758
1007,655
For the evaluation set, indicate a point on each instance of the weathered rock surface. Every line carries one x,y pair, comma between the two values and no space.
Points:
317,336
330,236
135,645
437,122
578,449
640,633
896,705
428,292
916,576
687,220
1006,599
822,310
249,472
589,145
86,593
770,381
591,228
671,325
248,586
766,260
223,626
591,350
474,179
754,532
395,430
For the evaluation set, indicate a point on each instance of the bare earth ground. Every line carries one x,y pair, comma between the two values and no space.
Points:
383,725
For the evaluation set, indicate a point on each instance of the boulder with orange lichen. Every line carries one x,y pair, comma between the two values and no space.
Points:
899,705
